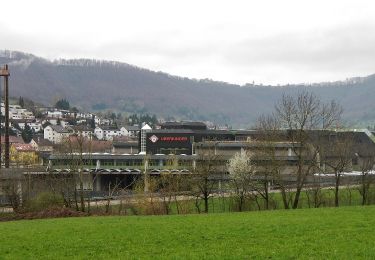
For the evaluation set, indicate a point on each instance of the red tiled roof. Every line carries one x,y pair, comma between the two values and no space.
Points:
13,139
23,147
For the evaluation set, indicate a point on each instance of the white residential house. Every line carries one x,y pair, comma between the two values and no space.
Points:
131,131
124,131
81,121
81,115
55,114
55,121
85,131
64,123
56,133
52,121
13,109
16,112
102,121
28,114
24,113
106,133
36,126
15,116
97,121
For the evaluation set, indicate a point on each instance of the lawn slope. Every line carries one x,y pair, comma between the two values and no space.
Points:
340,233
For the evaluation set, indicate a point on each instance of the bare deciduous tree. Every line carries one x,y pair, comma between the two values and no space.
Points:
296,116
336,154
366,167
74,147
207,166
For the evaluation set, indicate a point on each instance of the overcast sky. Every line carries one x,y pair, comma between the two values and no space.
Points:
269,42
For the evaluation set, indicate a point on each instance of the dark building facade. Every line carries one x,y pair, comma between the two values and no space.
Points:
181,141
170,142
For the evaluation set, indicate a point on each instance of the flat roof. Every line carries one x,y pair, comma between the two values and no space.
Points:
205,132
108,156
239,144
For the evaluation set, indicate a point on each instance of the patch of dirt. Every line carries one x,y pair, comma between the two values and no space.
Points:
46,213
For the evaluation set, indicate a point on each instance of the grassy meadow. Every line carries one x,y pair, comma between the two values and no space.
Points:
348,196
339,233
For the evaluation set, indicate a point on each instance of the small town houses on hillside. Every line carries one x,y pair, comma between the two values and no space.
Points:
41,144
55,121
35,125
56,133
20,153
16,112
83,115
83,130
56,113
131,131
107,132
103,121
52,126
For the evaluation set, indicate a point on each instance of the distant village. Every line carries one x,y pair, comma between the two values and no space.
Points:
38,131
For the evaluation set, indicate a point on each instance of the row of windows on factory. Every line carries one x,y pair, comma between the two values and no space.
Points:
128,163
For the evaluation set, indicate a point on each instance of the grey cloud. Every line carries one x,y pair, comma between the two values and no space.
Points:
45,45
167,49
345,48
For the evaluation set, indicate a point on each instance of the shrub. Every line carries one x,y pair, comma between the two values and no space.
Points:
44,200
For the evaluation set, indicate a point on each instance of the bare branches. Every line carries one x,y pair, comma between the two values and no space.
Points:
206,167
296,115
331,115
306,112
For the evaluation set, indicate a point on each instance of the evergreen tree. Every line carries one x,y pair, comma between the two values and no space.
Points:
62,104
112,116
92,122
27,134
133,119
21,102
16,126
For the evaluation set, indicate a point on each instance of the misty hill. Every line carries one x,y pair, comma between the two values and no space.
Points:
96,85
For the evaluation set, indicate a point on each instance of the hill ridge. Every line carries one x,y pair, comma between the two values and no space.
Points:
119,86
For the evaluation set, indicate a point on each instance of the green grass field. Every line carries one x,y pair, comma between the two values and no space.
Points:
339,233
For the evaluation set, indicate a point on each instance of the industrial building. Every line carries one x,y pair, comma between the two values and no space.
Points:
176,149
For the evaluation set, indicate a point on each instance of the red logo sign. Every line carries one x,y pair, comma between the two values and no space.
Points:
154,138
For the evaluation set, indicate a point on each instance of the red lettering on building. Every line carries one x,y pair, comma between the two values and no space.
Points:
173,138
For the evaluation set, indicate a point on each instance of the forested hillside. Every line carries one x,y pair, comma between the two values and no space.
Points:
97,85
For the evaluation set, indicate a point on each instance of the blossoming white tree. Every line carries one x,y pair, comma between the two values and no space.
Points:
241,170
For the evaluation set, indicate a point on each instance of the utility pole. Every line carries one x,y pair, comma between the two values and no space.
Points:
5,73
1,114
